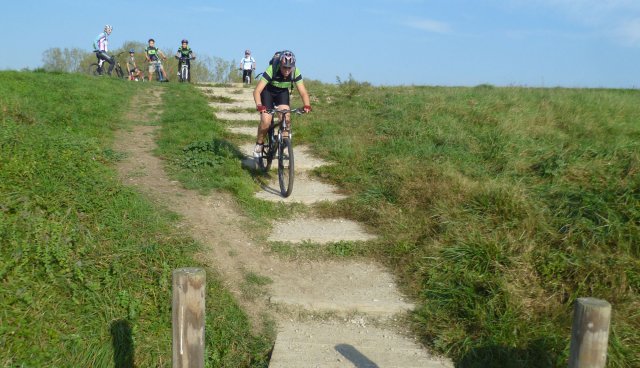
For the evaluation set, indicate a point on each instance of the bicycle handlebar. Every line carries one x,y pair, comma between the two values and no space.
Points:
298,111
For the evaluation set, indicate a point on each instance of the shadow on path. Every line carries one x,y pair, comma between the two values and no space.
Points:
539,353
122,340
355,357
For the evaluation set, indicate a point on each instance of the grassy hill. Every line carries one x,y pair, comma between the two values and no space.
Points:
85,263
495,207
498,208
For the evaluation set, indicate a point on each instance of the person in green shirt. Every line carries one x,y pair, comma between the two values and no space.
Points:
153,55
272,91
185,55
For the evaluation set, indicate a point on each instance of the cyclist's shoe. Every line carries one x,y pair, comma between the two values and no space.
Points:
257,152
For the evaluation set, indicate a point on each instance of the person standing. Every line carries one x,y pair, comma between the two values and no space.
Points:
101,47
153,55
247,65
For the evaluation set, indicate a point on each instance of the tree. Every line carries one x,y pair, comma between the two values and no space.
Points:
63,60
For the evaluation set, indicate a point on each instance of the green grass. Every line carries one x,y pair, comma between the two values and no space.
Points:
85,263
498,208
495,207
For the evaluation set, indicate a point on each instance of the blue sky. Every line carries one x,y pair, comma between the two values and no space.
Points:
571,43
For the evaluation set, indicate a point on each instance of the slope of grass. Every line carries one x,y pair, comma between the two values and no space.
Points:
85,263
498,208
495,207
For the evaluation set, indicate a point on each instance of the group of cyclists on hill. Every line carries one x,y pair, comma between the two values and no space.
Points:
272,91
152,55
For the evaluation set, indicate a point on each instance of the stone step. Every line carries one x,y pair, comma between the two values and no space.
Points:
304,159
339,345
306,190
338,287
245,130
237,116
233,105
319,231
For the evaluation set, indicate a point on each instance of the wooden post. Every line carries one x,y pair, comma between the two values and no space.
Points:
590,333
189,285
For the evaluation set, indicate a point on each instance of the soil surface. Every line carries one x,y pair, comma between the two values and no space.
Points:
328,313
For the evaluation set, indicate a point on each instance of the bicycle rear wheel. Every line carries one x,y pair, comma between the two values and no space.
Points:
94,69
285,167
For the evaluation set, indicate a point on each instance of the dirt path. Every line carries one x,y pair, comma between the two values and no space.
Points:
329,314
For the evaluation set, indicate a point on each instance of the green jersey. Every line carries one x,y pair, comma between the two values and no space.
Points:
152,52
185,52
275,80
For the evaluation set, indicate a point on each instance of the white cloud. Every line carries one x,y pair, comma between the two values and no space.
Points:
619,19
429,25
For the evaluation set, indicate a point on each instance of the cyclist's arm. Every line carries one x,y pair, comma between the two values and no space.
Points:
193,55
303,93
162,55
256,92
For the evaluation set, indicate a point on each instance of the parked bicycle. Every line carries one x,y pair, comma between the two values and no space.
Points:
279,146
185,69
98,68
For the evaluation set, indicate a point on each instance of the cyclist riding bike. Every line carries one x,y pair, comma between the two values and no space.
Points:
101,47
184,55
272,91
132,67
153,55
247,65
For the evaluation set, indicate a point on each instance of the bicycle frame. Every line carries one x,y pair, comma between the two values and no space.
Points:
185,69
158,67
282,148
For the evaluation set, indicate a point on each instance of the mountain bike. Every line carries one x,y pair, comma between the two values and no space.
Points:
97,68
185,69
280,146
158,70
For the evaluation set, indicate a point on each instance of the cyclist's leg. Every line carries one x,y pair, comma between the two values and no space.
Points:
100,61
151,70
265,119
103,56
164,74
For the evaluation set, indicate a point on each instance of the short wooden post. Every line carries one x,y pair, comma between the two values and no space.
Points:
590,333
189,285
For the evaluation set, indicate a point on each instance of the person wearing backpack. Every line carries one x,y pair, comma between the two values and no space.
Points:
247,65
272,91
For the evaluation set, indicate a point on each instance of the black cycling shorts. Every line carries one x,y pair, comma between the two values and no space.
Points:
274,97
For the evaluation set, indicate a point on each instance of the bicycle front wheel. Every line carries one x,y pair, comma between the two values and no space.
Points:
119,72
269,151
285,167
